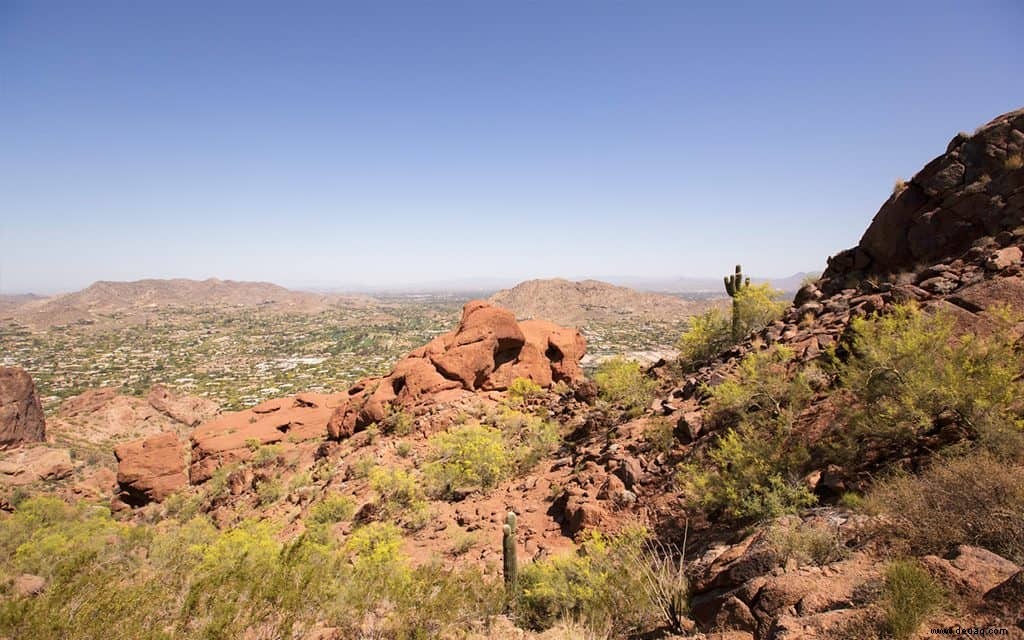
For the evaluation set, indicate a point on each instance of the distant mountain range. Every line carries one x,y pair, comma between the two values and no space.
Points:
134,299
578,303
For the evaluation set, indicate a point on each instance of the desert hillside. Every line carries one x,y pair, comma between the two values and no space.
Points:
581,303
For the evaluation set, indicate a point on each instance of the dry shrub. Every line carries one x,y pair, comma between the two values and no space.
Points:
975,499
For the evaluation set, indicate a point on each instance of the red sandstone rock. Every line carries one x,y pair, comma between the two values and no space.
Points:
21,414
285,421
487,352
149,470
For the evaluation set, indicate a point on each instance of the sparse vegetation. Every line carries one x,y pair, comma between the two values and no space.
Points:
522,390
754,307
600,587
333,508
926,511
191,580
399,497
911,596
660,434
807,543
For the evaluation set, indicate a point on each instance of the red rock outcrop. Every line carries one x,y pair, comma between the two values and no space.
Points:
975,190
487,351
149,470
21,413
188,410
285,421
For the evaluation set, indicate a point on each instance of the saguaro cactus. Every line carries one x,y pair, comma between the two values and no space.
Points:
733,285
510,564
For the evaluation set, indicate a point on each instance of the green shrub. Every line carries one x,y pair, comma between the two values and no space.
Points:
269,491
911,596
600,587
266,455
660,434
622,382
403,449
189,580
752,470
926,511
908,369
399,497
333,508
709,334
397,421
467,457
522,390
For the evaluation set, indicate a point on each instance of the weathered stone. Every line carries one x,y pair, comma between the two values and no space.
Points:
21,413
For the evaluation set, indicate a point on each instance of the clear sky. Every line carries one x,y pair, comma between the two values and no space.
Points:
387,143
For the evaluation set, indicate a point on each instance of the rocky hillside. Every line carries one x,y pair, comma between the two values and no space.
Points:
133,299
770,494
578,304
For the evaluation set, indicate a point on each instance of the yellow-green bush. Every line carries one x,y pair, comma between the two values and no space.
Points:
622,382
523,390
752,471
174,580
911,596
333,508
710,333
907,368
600,587
399,496
471,456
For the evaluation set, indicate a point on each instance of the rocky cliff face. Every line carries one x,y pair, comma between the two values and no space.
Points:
21,413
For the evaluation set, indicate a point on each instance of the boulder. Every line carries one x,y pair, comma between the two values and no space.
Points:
29,464
28,584
21,413
487,352
285,421
151,469
188,410
971,571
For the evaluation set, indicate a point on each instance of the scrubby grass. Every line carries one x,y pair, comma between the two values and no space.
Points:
976,500
807,543
911,596
606,587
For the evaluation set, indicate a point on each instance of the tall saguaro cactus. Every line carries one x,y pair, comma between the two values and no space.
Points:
733,285
509,564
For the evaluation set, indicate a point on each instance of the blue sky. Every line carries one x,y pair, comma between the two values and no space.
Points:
386,143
